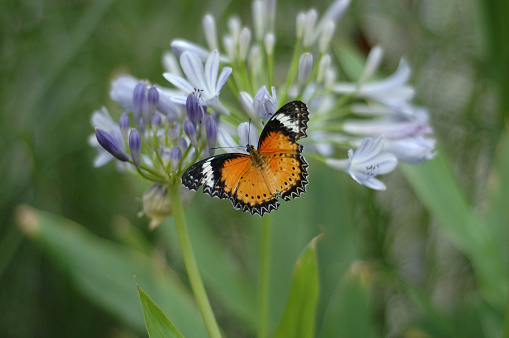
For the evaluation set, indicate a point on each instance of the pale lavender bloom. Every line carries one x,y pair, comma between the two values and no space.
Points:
179,46
411,149
209,28
122,92
205,80
314,30
122,89
244,43
325,38
247,103
366,163
305,67
248,135
269,42
392,91
391,127
259,18
264,104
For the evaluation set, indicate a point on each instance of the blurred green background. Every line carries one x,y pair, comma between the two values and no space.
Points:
413,272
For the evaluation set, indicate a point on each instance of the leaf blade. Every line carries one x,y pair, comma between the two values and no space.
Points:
298,319
156,321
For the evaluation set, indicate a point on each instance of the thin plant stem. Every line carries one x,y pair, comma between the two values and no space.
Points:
190,262
263,284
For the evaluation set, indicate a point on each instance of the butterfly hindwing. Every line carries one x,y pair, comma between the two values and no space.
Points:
209,173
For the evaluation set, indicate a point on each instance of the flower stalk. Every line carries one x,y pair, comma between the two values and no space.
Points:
263,283
190,262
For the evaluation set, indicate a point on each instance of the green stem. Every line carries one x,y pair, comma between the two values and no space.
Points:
263,284
190,262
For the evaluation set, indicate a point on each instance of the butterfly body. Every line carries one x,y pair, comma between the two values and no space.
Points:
254,182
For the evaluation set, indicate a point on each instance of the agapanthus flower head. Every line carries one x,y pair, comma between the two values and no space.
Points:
163,130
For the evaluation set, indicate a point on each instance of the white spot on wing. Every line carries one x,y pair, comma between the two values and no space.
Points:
208,174
288,123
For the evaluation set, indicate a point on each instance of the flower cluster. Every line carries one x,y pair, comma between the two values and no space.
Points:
162,131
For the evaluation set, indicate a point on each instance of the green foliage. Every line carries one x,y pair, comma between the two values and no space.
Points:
104,271
298,319
158,324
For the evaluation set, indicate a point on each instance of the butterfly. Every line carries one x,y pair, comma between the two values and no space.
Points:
254,182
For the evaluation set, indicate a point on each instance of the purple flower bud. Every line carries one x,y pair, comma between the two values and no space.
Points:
176,156
211,128
190,131
124,125
165,106
156,121
108,143
166,157
135,146
183,144
193,109
139,100
216,117
153,99
142,127
174,134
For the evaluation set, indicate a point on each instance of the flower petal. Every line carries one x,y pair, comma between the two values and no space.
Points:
248,135
211,70
227,143
225,74
180,46
193,68
179,82
374,183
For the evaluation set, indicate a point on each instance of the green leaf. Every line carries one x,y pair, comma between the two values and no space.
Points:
497,212
158,324
438,189
348,313
103,271
298,319
351,60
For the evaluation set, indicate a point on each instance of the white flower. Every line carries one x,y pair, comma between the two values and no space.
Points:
306,23
265,105
205,80
248,135
367,162
408,121
411,149
122,90
391,91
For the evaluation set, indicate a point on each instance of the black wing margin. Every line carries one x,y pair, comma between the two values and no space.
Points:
292,119
207,172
